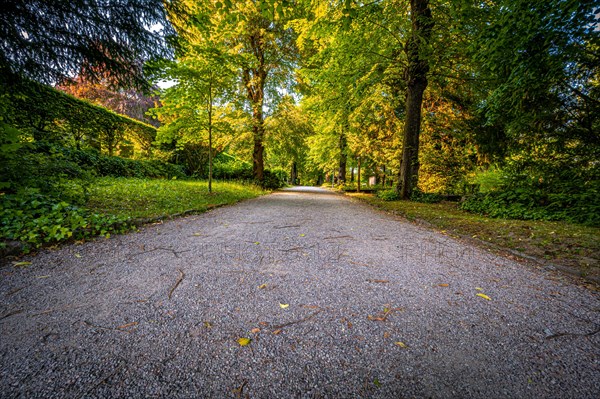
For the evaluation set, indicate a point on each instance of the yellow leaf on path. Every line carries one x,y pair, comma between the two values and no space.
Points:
207,324
284,305
21,264
262,286
257,243
479,288
244,341
302,235
132,324
444,285
484,296
255,330
78,255
277,332
401,344
197,234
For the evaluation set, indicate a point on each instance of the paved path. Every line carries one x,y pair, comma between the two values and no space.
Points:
378,308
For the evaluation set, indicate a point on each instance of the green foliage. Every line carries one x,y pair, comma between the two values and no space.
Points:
45,169
274,179
42,113
427,198
49,40
566,194
34,219
232,169
388,195
104,165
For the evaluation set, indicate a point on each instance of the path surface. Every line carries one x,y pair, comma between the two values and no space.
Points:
158,313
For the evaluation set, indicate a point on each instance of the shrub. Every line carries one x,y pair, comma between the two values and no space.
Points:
427,198
34,219
274,179
572,202
388,195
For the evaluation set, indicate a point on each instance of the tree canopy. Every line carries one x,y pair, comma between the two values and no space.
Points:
53,40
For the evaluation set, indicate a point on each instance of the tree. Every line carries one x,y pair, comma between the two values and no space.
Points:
53,40
416,83
287,130
130,102
261,47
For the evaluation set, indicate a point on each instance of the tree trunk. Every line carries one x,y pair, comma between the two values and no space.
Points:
254,80
358,177
416,82
258,163
343,159
294,173
210,158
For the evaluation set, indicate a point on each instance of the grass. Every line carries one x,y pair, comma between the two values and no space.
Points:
574,248
152,198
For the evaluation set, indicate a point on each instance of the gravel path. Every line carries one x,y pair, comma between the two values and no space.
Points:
338,299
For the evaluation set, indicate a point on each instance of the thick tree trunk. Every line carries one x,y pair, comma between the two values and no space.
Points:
294,173
416,82
258,130
343,159
254,79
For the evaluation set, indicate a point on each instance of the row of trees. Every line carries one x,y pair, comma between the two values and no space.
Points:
423,92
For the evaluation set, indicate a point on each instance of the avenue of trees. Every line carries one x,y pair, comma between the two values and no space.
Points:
496,101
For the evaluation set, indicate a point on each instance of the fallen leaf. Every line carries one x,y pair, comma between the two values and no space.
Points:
386,310
42,276
378,318
257,243
197,234
263,323
401,344
484,296
376,383
479,288
244,341
262,286
444,285
78,255
255,330
284,305
302,235
277,332
21,264
133,323
207,324
386,334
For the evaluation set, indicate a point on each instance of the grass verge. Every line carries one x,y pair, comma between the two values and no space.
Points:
573,248
115,205
149,198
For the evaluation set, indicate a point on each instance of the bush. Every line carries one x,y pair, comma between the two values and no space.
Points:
274,179
112,166
577,203
232,170
427,198
34,219
388,195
